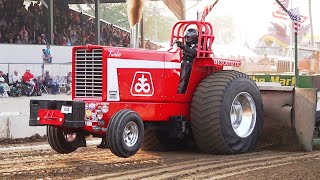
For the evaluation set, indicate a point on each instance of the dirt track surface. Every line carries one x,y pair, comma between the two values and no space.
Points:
38,161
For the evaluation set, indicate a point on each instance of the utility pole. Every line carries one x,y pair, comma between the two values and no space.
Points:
142,31
155,24
311,24
296,19
51,22
97,20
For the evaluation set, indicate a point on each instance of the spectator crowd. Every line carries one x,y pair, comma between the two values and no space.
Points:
23,26
29,85
20,24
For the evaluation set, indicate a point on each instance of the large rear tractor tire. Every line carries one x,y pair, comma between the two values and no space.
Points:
156,140
226,113
125,133
61,141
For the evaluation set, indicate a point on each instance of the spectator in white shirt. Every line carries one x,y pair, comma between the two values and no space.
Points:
4,88
15,77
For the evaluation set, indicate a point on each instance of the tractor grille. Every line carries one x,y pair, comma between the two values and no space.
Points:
88,73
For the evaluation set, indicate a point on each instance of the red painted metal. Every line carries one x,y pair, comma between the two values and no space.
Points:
50,117
162,101
205,39
226,62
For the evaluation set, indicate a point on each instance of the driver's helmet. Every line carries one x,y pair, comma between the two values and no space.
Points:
191,36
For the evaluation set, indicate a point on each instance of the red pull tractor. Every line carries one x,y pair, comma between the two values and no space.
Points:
128,98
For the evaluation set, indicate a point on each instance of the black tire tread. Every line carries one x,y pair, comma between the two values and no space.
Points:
209,95
155,140
151,142
57,142
113,137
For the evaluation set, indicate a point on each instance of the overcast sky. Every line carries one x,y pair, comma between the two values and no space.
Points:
253,16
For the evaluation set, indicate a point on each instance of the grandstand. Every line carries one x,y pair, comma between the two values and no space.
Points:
24,31
35,23
20,24
25,28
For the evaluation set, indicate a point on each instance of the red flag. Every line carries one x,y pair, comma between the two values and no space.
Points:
206,11
279,12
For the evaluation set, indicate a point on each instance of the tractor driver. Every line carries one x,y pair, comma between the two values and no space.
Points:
189,54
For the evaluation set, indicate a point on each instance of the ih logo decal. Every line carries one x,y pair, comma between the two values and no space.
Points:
142,84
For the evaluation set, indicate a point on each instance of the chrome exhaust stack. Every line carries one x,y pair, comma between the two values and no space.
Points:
134,11
134,38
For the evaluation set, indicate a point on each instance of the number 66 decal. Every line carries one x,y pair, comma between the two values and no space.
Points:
142,84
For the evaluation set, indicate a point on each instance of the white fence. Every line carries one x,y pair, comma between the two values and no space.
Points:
57,71
21,57
19,53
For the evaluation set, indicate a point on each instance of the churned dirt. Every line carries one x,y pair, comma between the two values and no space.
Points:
38,161
32,139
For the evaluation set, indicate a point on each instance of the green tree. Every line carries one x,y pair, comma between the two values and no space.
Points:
157,23
115,13
223,29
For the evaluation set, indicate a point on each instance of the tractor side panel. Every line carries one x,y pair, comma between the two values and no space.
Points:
141,84
147,111
154,111
132,67
172,78
150,79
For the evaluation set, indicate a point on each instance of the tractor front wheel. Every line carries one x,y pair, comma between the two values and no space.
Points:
125,133
226,113
61,141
